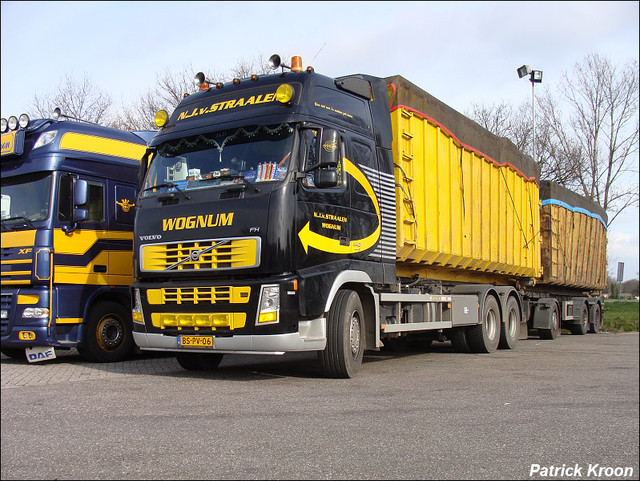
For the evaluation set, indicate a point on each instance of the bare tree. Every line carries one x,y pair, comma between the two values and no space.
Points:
82,99
586,132
502,120
599,140
170,88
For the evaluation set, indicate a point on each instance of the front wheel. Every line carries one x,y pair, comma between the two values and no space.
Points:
343,354
108,333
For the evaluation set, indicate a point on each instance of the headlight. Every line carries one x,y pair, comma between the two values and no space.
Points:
45,138
4,125
35,313
269,305
13,122
137,307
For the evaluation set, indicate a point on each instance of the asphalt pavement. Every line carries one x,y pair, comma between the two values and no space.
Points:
563,409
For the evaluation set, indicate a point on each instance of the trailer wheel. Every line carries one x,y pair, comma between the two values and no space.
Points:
108,333
583,327
342,356
14,353
485,336
196,361
596,325
554,331
510,328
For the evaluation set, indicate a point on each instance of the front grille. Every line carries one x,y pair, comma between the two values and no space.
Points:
202,255
199,295
5,305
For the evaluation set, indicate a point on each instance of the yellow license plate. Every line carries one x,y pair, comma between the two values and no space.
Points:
202,342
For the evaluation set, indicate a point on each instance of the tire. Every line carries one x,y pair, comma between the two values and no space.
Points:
458,338
196,361
485,336
510,328
343,353
583,327
554,331
14,353
108,333
596,325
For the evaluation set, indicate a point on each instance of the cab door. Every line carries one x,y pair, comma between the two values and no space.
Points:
122,213
324,217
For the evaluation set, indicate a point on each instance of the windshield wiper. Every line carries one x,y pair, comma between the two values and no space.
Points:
233,177
168,185
19,217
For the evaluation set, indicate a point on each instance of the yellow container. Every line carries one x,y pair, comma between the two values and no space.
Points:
574,240
461,215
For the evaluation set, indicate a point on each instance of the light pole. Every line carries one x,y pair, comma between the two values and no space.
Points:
535,77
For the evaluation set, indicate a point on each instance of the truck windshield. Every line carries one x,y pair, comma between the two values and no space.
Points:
26,198
247,154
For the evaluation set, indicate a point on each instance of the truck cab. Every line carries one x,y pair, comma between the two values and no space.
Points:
68,206
261,195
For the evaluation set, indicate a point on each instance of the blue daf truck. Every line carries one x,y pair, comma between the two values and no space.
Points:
68,206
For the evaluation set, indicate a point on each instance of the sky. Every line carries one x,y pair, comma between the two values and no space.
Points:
463,53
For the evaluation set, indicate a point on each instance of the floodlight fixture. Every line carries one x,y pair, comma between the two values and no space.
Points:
536,76
524,70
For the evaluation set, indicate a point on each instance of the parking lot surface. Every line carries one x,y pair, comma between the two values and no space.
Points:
415,414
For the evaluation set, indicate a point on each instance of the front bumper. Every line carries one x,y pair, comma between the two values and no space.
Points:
311,336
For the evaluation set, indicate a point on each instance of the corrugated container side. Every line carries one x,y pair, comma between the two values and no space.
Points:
460,215
574,240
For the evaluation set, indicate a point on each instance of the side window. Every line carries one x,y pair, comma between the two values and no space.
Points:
95,204
64,199
311,139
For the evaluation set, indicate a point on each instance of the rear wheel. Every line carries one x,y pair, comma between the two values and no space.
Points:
14,353
108,333
583,327
554,329
596,325
343,353
510,328
196,361
485,336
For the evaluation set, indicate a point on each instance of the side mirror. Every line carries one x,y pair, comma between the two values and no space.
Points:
329,148
325,178
80,192
80,215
